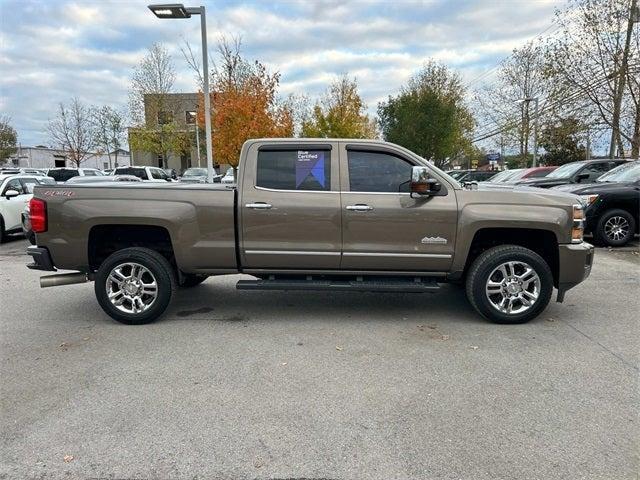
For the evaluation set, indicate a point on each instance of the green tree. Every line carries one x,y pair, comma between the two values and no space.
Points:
109,130
161,140
561,141
429,115
8,138
340,114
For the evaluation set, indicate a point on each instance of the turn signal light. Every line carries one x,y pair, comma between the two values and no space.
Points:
577,231
38,215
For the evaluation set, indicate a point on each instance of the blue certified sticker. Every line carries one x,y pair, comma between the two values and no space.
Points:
310,164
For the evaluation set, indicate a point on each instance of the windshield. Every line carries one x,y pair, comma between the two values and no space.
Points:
504,175
195,172
566,170
627,172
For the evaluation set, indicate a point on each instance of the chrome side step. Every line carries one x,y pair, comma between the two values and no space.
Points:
361,284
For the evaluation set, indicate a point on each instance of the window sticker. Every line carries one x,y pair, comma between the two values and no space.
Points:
310,164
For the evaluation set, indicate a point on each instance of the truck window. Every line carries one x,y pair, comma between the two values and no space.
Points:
158,174
305,170
378,172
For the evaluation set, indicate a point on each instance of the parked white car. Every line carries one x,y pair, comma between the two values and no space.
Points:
62,174
15,193
146,174
228,177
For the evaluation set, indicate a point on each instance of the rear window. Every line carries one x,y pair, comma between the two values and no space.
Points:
305,170
136,172
63,174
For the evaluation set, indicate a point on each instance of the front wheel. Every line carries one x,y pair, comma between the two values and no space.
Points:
615,228
509,284
134,285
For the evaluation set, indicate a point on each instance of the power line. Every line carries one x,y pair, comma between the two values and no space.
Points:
572,96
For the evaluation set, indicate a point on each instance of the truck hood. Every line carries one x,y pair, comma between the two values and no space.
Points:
529,193
597,187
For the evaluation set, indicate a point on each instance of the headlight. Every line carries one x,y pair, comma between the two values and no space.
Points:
577,230
588,199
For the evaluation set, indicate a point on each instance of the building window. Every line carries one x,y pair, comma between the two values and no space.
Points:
190,117
165,117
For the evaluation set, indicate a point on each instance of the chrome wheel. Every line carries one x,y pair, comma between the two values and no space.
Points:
616,228
131,288
513,287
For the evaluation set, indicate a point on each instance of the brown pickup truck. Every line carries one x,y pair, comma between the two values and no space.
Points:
314,214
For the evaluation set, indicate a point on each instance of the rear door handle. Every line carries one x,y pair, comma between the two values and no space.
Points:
359,208
259,206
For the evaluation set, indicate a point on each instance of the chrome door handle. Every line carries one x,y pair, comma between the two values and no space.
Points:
359,208
259,205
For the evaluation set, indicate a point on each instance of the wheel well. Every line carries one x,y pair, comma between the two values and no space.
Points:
543,242
107,239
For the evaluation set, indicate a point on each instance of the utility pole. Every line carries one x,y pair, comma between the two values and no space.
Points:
622,76
588,153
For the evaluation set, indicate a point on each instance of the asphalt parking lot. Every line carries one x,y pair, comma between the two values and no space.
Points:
262,385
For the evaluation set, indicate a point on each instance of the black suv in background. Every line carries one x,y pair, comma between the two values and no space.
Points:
586,171
612,204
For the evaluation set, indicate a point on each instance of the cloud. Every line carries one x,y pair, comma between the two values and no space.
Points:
53,51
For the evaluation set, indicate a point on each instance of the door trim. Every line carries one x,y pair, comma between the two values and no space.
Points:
290,252
401,255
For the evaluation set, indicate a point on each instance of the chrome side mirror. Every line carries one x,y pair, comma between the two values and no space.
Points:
422,184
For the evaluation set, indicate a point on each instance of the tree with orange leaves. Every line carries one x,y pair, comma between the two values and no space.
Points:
244,105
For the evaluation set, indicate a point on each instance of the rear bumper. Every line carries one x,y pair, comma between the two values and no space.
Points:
41,259
575,261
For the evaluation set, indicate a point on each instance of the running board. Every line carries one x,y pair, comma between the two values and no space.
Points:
417,285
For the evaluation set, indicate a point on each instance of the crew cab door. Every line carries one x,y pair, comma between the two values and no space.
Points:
289,206
384,228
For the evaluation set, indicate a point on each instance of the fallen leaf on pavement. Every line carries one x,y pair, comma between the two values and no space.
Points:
444,337
68,458
283,363
338,348
474,347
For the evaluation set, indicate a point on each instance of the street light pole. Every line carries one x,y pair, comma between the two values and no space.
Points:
176,10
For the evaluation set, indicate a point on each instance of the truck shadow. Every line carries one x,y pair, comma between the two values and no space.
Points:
220,301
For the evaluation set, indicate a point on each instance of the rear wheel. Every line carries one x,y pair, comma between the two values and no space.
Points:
509,284
615,228
3,234
135,285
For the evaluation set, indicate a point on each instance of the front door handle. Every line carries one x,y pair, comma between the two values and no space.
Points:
259,205
359,207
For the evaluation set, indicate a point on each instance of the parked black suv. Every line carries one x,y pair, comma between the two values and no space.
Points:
586,171
612,204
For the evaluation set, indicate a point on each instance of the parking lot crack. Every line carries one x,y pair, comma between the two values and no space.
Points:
604,347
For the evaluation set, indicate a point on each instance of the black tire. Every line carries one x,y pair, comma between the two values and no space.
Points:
191,280
487,262
156,264
601,235
3,235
